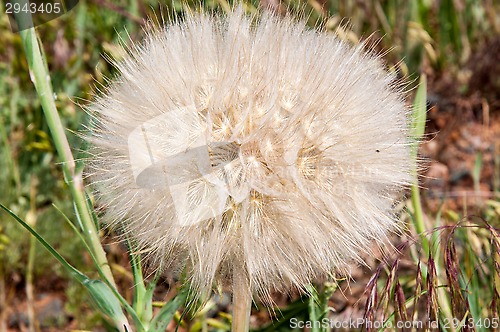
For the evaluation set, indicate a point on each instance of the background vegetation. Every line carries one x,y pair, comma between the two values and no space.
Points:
452,271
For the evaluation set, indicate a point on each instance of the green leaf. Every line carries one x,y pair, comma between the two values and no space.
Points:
163,318
106,302
419,114
142,302
73,271
417,131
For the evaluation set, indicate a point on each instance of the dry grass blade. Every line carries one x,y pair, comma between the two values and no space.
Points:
432,304
400,302
418,291
372,293
459,303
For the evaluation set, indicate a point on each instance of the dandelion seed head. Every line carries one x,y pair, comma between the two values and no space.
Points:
258,142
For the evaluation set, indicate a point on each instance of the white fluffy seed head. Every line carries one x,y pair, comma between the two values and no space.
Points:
258,143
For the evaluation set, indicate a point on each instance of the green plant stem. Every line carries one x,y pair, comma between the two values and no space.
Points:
41,79
101,292
242,301
419,222
418,129
141,301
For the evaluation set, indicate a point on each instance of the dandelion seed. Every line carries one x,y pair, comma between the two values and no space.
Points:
263,153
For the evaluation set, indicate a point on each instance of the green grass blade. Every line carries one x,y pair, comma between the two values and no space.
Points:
107,302
73,271
41,79
165,315
318,305
142,303
83,240
419,113
314,310
417,131
138,321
